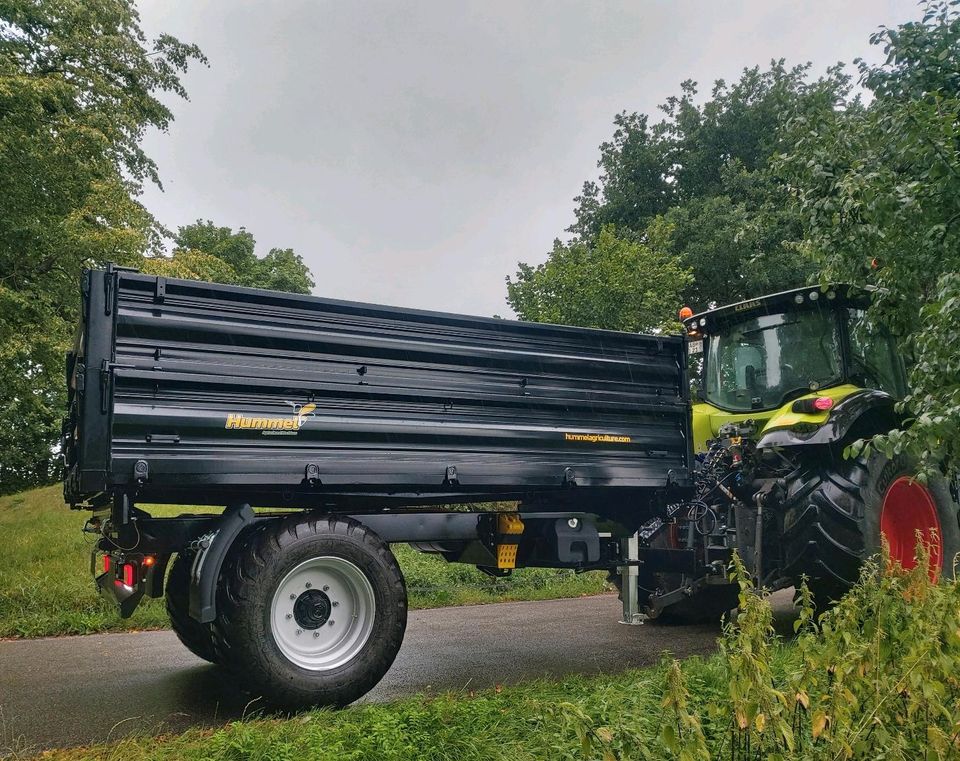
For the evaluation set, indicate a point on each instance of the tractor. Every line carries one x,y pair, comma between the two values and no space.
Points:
782,385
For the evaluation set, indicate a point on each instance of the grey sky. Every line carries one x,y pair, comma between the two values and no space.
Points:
414,152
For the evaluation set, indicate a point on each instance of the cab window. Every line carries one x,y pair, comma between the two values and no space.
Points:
874,361
761,363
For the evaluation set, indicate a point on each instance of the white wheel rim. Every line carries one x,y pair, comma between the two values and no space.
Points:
322,613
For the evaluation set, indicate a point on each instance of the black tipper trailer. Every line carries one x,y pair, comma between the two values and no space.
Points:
342,423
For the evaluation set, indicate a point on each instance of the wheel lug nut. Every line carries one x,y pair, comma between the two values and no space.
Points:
289,616
326,588
330,622
299,632
293,597
316,634
334,603
308,585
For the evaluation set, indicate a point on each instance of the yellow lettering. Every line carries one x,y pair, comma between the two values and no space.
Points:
595,438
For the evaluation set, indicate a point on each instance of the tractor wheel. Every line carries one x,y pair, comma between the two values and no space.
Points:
835,514
310,611
195,636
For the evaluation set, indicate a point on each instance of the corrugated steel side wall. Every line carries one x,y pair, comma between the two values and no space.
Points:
401,397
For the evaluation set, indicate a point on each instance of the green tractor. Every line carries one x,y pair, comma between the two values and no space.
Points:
783,384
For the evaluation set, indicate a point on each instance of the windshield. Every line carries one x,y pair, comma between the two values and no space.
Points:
762,362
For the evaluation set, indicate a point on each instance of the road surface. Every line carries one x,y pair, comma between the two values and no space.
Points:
69,691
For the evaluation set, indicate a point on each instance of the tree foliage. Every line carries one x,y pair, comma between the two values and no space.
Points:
879,190
706,170
615,283
204,251
79,85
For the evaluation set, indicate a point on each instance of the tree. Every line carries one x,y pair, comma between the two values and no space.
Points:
79,85
706,170
740,242
879,190
635,183
616,283
204,251
234,248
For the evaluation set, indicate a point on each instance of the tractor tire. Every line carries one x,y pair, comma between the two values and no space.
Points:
835,514
310,611
196,637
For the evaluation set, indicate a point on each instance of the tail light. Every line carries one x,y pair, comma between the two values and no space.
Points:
129,574
812,406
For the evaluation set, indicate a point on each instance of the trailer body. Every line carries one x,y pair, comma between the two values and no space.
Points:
186,392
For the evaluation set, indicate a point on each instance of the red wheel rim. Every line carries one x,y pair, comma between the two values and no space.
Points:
908,507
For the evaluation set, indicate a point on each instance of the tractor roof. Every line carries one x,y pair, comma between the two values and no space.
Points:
839,295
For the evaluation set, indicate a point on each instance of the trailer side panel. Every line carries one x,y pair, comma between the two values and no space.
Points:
212,392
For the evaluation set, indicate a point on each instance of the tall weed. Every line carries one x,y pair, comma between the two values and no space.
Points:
876,677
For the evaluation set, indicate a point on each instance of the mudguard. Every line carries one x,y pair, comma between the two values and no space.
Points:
840,423
212,550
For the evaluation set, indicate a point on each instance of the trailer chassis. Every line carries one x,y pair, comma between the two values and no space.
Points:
130,559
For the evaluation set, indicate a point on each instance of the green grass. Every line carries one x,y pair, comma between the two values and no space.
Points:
530,721
46,588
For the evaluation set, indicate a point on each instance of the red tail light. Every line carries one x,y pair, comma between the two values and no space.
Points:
129,574
106,564
811,406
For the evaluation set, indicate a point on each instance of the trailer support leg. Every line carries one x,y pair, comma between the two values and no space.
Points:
630,594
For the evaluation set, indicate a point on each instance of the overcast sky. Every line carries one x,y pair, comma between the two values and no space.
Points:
414,152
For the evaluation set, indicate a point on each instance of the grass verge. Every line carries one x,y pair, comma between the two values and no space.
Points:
520,723
46,589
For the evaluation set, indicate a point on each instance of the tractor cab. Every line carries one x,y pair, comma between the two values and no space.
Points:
786,360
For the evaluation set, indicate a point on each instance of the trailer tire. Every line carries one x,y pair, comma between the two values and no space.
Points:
836,512
196,637
310,610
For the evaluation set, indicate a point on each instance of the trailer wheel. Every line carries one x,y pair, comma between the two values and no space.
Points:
196,637
835,514
311,611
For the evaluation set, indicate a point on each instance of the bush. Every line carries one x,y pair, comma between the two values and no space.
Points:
876,677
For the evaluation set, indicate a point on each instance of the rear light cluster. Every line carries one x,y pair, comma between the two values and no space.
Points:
128,573
811,406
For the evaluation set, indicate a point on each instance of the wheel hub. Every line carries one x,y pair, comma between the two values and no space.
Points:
312,609
322,613
909,510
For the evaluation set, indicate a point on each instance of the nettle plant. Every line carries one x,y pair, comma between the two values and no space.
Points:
876,677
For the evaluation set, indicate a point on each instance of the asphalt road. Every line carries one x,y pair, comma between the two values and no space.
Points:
71,691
